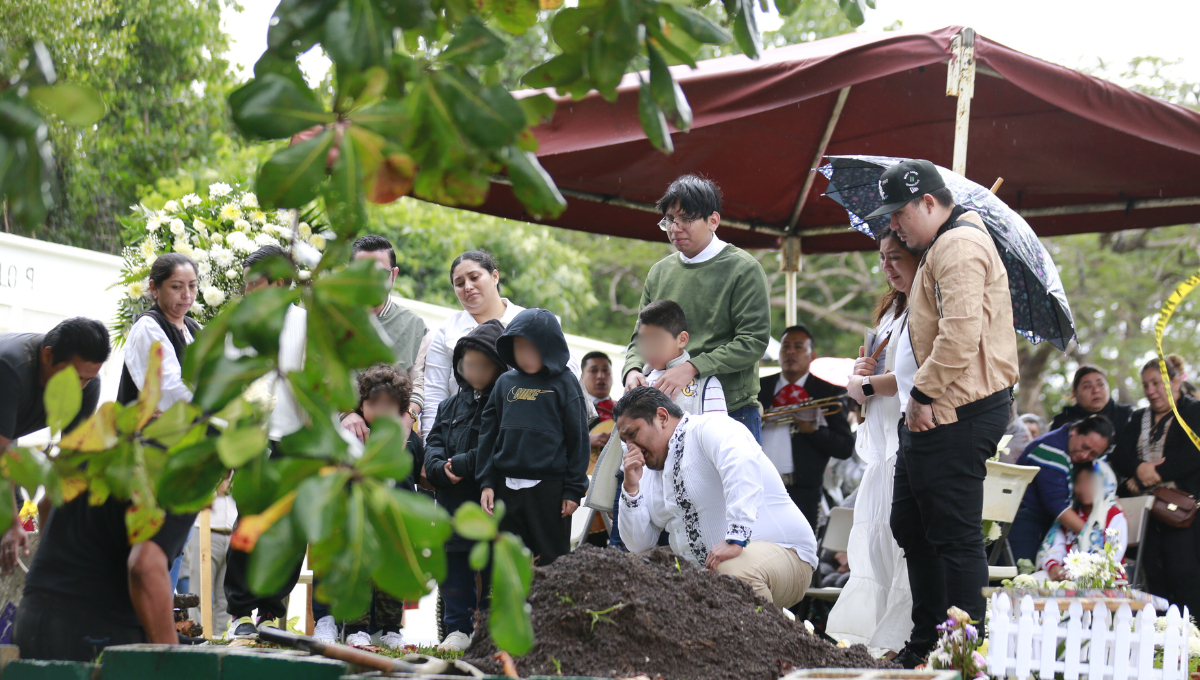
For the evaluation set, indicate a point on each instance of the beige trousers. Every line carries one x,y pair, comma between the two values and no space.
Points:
774,572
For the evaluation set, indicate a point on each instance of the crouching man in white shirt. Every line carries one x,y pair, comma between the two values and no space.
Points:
706,481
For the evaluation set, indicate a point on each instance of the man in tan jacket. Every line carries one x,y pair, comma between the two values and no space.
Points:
964,345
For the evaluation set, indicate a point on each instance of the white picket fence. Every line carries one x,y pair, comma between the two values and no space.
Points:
1086,644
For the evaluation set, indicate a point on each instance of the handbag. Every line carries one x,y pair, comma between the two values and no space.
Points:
1173,507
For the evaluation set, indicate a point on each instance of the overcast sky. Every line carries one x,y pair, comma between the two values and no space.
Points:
1073,33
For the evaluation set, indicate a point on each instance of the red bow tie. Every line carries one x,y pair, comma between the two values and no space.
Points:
790,394
604,409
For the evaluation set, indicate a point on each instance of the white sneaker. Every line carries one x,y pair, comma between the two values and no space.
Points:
326,630
393,640
456,641
359,639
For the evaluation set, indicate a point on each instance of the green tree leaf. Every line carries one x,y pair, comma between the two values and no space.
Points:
653,121
258,318
222,379
386,454
320,437
745,26
533,185
190,477
356,36
474,523
348,578
63,398
296,23
362,284
473,43
8,513
240,446
18,119
853,9
320,501
680,54
514,16
559,72
539,108
695,24
480,553
512,574
26,467
273,106
412,531
276,555
667,92
97,433
488,116
292,177
74,104
173,425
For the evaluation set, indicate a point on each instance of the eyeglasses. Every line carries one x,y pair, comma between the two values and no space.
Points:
678,222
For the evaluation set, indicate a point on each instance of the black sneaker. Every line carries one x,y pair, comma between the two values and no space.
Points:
909,659
242,629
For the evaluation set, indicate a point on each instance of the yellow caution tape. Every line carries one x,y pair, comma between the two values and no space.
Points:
1164,317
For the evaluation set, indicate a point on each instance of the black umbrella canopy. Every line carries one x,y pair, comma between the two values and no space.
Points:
1040,307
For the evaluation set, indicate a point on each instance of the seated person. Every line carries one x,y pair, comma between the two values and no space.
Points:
1048,498
1096,504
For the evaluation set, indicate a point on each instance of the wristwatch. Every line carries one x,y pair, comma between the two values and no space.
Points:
867,388
734,541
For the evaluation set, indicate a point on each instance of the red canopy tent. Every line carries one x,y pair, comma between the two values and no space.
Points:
1078,154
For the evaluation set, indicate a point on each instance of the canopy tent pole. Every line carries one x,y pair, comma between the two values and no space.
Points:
791,243
960,82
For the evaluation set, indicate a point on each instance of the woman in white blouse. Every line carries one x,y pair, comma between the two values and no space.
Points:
476,281
173,284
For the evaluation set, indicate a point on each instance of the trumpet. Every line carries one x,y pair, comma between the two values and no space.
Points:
828,406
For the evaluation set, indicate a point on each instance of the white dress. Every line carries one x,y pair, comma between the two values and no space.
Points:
875,607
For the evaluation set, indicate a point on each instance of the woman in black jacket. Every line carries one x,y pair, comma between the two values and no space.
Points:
450,468
1155,451
1091,394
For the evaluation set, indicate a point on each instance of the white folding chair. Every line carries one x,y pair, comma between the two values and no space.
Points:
1003,489
837,539
1136,511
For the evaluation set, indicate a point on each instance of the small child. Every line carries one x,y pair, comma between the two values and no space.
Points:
450,468
662,337
382,393
533,442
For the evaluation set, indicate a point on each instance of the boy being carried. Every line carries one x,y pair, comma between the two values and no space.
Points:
450,467
533,442
662,339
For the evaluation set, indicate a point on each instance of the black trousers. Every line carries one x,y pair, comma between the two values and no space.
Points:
1171,559
535,515
808,499
937,509
50,629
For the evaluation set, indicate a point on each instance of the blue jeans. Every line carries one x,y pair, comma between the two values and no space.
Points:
751,418
460,594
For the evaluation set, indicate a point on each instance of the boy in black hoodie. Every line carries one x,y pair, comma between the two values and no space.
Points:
450,468
533,445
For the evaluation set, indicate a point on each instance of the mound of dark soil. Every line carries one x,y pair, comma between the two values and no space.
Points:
667,619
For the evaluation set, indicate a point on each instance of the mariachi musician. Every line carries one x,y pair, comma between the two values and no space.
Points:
801,445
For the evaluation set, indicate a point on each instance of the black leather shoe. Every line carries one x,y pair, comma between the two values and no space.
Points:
909,659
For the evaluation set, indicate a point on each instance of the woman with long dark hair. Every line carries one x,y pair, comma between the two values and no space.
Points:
876,604
174,280
1155,451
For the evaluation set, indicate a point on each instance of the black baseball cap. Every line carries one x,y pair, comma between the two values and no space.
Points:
905,181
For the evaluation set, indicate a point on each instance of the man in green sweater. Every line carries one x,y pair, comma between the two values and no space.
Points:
723,292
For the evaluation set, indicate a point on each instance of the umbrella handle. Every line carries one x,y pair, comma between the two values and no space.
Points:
996,186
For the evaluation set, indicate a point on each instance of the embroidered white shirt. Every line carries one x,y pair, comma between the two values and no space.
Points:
716,484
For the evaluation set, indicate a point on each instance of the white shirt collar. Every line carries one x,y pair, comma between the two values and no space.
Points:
710,251
782,382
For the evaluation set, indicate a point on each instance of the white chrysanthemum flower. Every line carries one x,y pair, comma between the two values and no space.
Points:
257,216
230,212
171,206
241,225
231,274
283,216
304,230
205,269
197,308
213,296
222,257
1024,581
154,222
148,247
244,246
285,234
200,227
190,201
216,237
317,241
305,275
1078,565
994,532
137,289
259,392
182,246
249,200
177,227
150,259
219,189
265,240
200,255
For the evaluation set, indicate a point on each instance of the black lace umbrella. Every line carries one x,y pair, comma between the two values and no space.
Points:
1040,307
